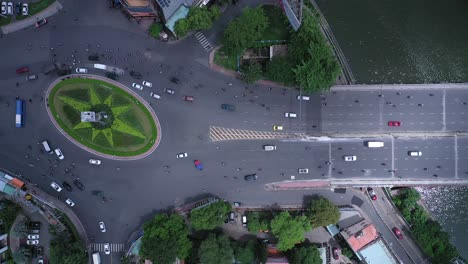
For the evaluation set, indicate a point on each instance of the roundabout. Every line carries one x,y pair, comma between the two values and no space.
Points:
104,118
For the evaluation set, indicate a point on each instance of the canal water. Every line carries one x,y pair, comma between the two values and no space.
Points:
400,41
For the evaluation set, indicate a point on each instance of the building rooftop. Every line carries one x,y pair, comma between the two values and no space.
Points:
358,236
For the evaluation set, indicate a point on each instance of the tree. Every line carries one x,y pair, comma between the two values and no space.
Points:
209,217
258,221
289,230
215,12
165,238
252,72
280,70
155,29
215,250
182,27
244,30
199,18
306,254
244,254
261,250
322,212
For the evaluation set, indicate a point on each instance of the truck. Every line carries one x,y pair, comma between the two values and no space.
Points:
374,144
19,112
96,258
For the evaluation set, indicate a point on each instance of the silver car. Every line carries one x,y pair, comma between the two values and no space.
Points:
94,162
349,158
102,227
107,248
56,187
182,155
137,86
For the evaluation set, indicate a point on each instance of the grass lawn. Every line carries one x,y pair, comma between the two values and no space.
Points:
227,62
278,28
129,130
37,7
5,20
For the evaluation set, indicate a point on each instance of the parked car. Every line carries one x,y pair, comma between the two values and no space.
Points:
232,217
198,164
22,70
303,98
237,204
81,70
372,194
35,225
18,8
414,153
169,91
56,187
59,153
394,123
70,202
244,220
32,77
40,23
40,251
94,162
251,177
107,248
292,115
228,107
25,9
112,75
135,74
78,184
40,261
32,242
188,98
147,84
335,253
4,8
397,233
175,80
137,86
10,8
349,158
182,155
67,186
94,57
277,127
33,236
154,95
102,227
303,171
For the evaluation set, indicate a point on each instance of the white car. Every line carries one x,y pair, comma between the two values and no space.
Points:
303,98
182,155
157,96
290,114
415,153
169,91
10,8
59,153
137,86
102,227
32,242
107,248
94,162
70,202
81,70
303,171
4,8
244,220
33,236
147,84
25,9
56,187
350,158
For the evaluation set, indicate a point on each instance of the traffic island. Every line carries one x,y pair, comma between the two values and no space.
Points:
103,117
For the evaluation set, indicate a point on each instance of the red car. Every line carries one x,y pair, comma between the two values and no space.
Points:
335,253
394,123
397,233
372,194
22,70
188,98
198,164
40,23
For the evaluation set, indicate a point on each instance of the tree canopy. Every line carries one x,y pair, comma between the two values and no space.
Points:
289,230
258,220
252,72
280,70
306,254
65,249
244,254
165,237
244,30
209,217
322,212
215,250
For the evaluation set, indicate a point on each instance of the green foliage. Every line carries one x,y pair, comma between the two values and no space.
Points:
155,29
182,27
244,30
261,250
252,72
209,217
278,24
322,212
280,70
65,249
200,18
258,220
316,68
78,94
306,254
244,254
165,237
346,251
215,250
215,12
9,214
289,230
228,62
38,6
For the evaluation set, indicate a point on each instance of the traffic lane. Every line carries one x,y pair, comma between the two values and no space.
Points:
370,162
462,148
456,106
436,161
415,116
342,117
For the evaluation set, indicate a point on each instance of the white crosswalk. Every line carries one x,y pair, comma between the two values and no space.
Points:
206,45
114,247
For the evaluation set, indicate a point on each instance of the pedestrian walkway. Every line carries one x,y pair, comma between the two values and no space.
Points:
114,247
221,133
204,42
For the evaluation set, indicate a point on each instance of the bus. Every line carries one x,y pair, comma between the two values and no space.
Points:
19,112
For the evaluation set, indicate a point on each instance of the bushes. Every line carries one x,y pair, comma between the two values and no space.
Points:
280,70
198,18
252,72
155,29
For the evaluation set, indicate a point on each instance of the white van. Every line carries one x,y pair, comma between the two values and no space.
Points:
47,147
374,144
292,115
414,153
96,258
269,147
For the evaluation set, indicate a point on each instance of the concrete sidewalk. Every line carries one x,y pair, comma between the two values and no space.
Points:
30,21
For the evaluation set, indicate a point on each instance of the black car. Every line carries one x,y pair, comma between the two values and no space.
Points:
228,107
40,250
18,8
136,75
93,57
67,186
251,177
175,80
79,185
112,75
34,225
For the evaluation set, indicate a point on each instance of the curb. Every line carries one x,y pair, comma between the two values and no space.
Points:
121,86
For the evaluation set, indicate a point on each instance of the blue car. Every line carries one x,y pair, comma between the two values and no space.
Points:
198,164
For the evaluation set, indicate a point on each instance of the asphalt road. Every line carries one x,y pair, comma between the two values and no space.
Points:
138,189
